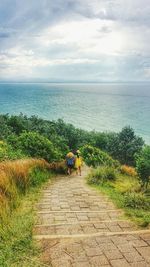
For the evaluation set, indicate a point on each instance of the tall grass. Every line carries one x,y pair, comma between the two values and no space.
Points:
17,247
15,179
20,184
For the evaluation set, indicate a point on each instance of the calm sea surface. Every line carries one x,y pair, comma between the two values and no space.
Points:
103,107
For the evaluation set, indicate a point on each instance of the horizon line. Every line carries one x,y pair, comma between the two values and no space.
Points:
97,82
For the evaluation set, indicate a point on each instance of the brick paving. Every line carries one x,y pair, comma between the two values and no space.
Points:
79,227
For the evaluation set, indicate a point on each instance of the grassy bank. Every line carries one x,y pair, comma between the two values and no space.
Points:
19,190
16,179
125,191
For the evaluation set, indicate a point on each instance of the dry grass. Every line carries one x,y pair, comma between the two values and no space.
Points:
59,167
128,170
15,178
17,172
20,185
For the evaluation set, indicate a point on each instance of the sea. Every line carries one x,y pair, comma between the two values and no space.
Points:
92,106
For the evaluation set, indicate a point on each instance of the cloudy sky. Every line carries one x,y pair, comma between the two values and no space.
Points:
75,40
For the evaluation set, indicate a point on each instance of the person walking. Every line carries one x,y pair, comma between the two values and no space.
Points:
78,162
70,161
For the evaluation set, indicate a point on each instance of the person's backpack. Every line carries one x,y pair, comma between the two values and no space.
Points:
70,161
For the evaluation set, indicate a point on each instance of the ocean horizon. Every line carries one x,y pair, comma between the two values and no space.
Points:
90,106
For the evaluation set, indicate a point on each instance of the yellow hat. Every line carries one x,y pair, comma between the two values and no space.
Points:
70,155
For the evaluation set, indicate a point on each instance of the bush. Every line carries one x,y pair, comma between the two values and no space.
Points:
8,153
136,201
143,166
35,145
110,173
124,169
94,157
38,176
102,174
126,183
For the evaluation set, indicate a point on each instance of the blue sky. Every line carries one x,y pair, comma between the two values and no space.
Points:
75,40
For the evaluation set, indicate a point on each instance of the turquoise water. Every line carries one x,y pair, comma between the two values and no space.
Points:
102,107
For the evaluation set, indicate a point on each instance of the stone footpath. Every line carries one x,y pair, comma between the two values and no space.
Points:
79,227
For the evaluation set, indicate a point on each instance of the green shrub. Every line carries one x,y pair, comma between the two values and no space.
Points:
102,174
38,176
136,201
96,176
8,153
143,166
35,145
110,173
126,183
94,157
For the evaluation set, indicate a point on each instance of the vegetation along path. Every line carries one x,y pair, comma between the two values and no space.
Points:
78,227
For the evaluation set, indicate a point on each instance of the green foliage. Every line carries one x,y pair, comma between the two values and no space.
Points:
38,176
35,145
110,173
100,140
121,146
94,157
125,145
74,137
5,130
8,153
136,201
127,184
143,166
17,123
102,174
124,190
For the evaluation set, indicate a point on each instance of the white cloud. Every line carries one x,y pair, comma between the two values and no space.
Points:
102,38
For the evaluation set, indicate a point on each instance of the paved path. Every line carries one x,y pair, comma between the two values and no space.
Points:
78,227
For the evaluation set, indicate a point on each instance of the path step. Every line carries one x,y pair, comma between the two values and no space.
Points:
55,236
83,228
48,202
86,222
76,211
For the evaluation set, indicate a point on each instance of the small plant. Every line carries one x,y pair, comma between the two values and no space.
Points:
102,174
127,184
136,201
110,173
124,169
96,176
